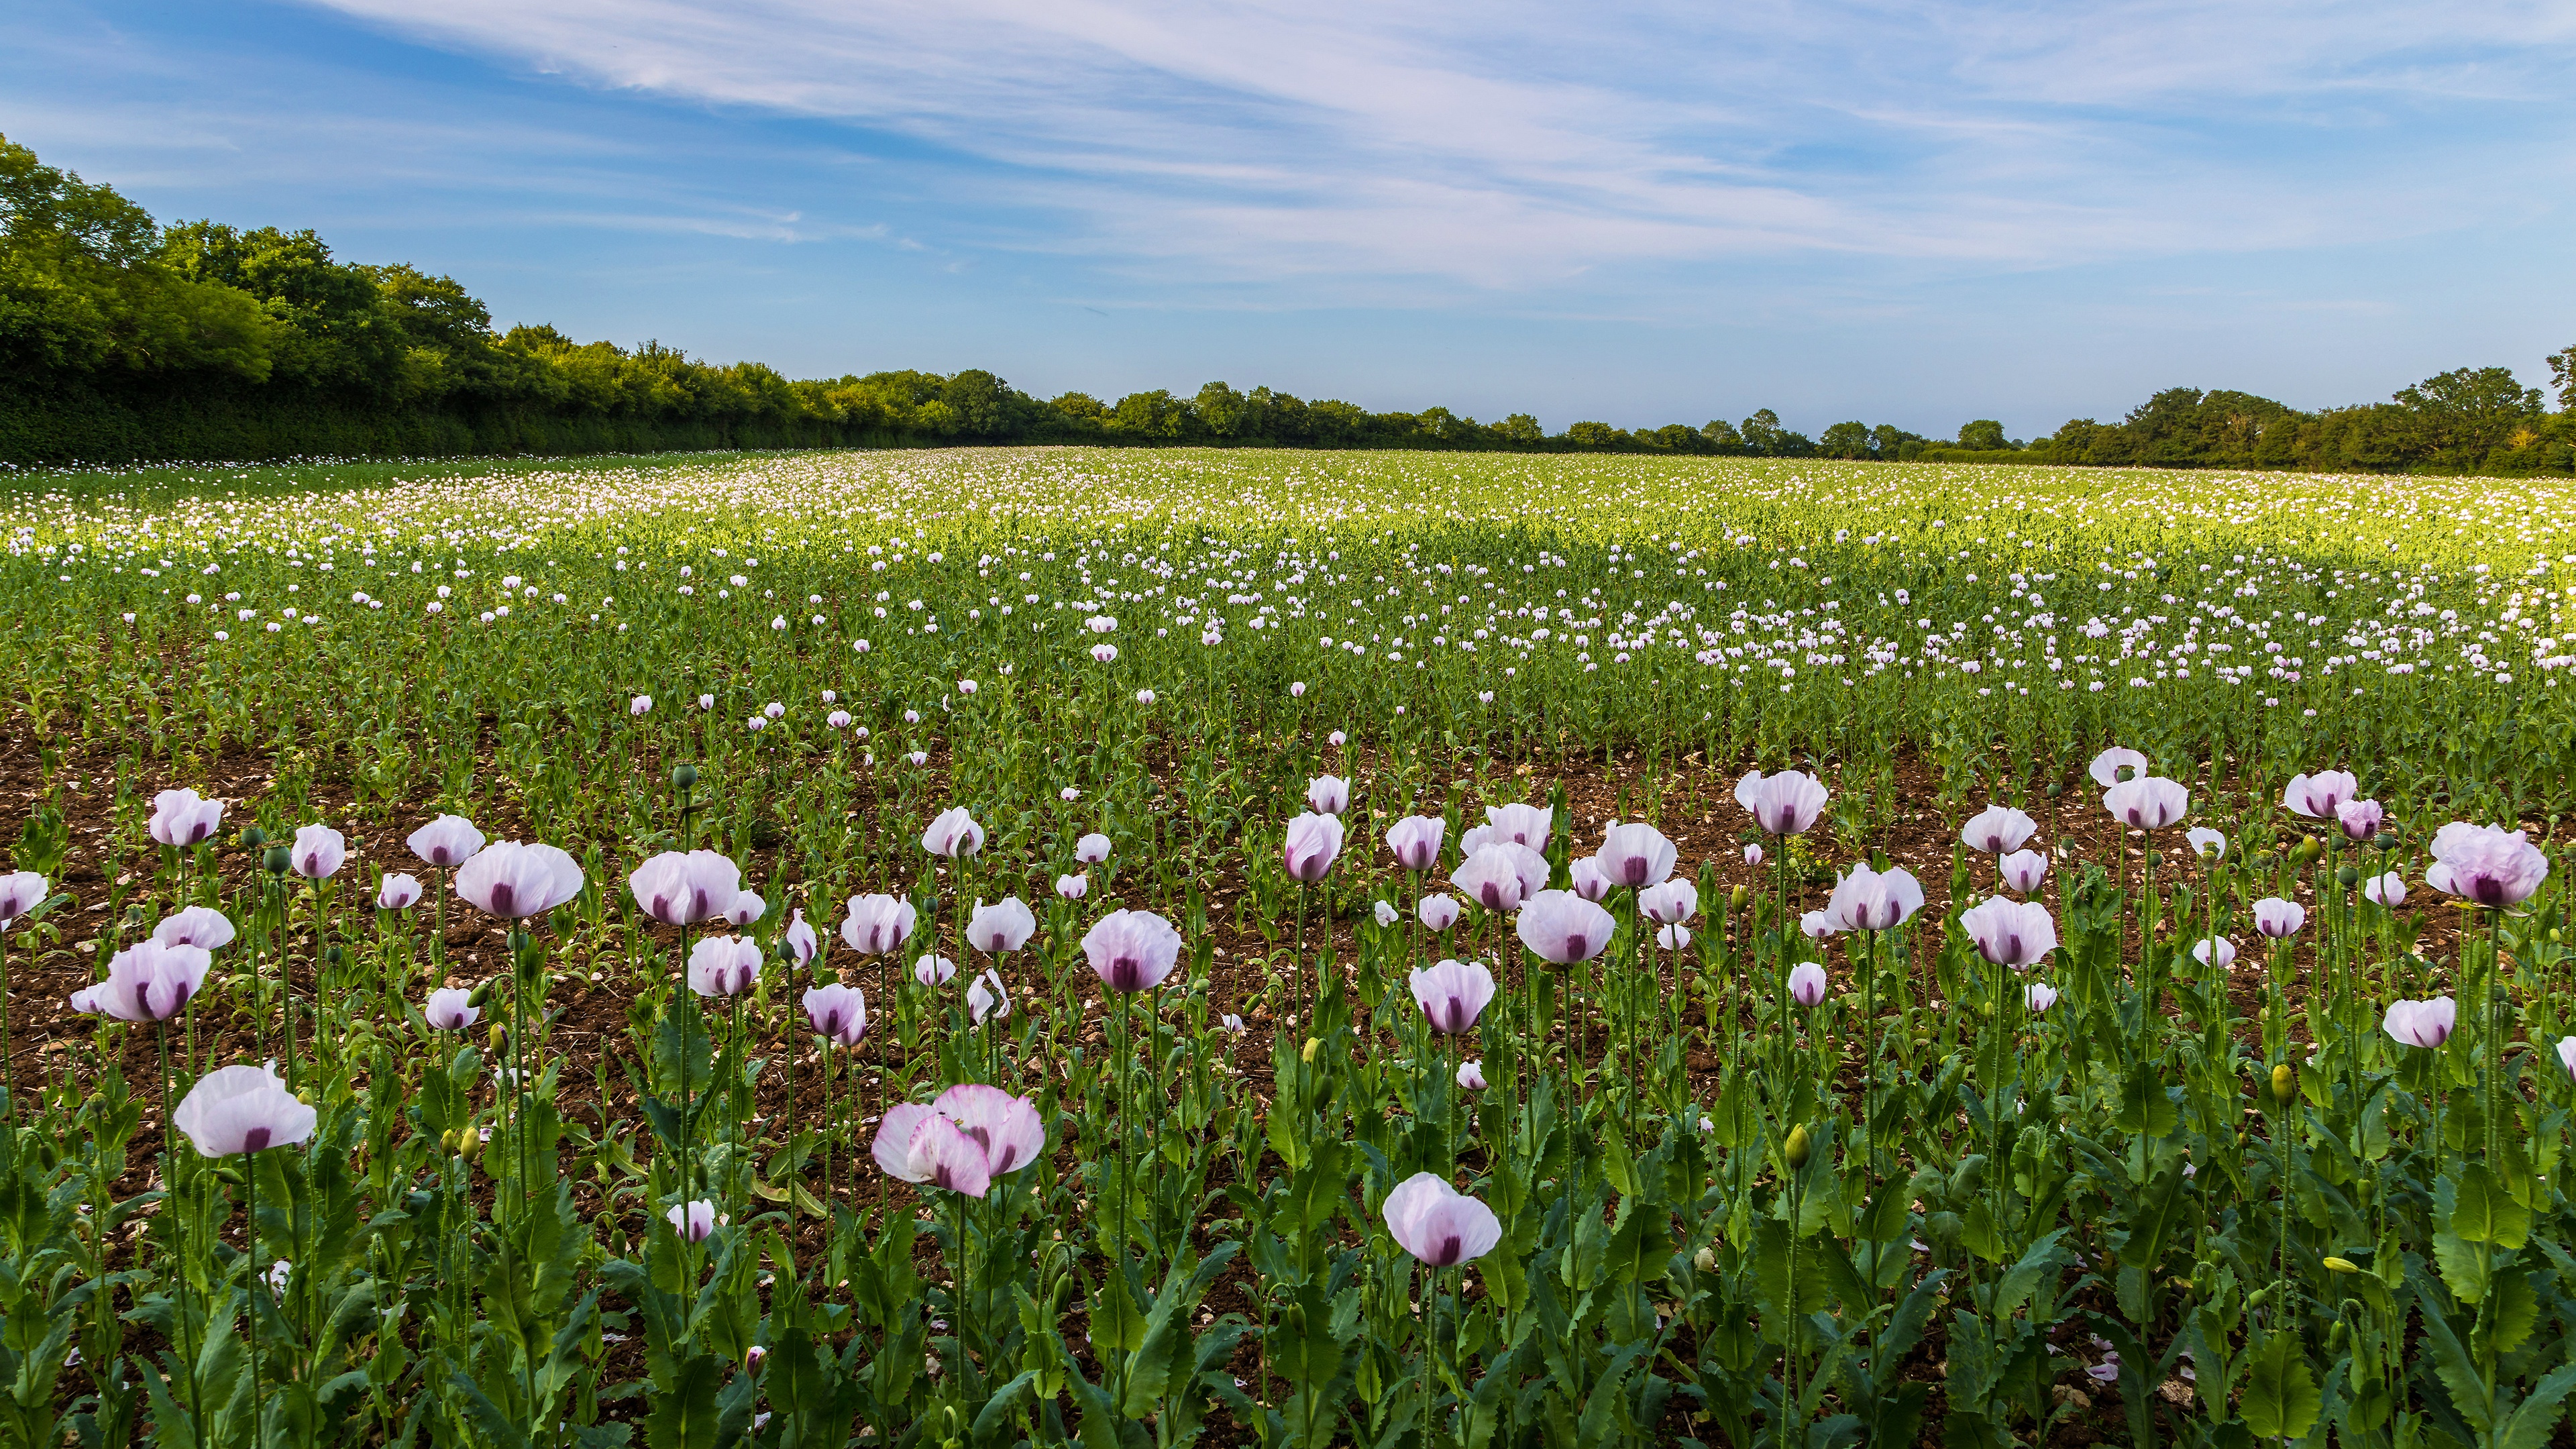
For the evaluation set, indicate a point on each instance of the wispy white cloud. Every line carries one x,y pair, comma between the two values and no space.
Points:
1518,146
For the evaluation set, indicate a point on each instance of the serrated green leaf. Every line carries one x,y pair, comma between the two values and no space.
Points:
2281,1399
2481,1211
684,1416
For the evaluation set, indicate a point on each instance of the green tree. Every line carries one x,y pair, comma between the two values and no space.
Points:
38,200
1224,412
1595,435
1846,440
1337,424
1282,415
1721,436
1156,416
1763,435
338,330
987,407
1984,435
2459,418
1521,430
80,289
2562,376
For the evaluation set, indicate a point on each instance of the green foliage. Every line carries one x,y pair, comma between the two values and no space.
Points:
124,340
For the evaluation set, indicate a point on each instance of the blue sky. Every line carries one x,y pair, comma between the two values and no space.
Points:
1638,212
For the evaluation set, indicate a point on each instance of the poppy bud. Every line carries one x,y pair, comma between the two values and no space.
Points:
684,777
1797,1147
1308,1054
2285,1083
1738,897
469,1144
2310,850
481,994
2342,1265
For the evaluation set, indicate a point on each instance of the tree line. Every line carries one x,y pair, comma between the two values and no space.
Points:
122,339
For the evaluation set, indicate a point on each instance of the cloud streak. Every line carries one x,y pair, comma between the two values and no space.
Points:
1518,147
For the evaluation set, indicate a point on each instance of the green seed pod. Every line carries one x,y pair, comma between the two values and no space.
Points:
684,777
2347,877
252,837
277,860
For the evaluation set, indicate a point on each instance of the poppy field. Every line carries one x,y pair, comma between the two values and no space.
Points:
1062,946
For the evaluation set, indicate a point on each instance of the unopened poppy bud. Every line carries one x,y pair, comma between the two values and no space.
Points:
2285,1083
481,994
1309,1053
2310,850
1738,897
684,777
469,1143
2342,1265
1797,1147
1705,1260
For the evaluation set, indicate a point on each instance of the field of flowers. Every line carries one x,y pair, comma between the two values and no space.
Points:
1056,946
